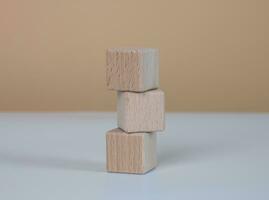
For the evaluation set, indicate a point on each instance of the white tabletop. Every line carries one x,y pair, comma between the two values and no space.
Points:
61,156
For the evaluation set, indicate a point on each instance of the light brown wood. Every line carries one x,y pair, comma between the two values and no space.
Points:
132,69
141,112
130,153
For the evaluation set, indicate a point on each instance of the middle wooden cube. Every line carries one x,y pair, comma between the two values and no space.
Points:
141,112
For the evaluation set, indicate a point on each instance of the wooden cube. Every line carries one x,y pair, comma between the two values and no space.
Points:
130,153
132,69
141,112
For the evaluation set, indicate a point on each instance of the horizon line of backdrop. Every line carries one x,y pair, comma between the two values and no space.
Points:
214,54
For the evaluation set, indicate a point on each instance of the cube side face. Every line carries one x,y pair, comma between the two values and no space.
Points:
124,152
132,69
150,153
143,112
122,107
150,63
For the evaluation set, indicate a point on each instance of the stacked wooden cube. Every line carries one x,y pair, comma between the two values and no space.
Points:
134,74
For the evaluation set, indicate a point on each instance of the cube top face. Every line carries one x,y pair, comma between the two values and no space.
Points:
130,153
132,69
141,112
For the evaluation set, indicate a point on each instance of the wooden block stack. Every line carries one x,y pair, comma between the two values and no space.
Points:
134,73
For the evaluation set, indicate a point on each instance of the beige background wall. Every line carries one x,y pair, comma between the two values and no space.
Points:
214,53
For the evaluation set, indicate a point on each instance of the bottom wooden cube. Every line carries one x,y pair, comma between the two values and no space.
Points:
130,152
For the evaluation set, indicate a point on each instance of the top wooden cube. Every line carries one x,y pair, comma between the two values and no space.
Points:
132,69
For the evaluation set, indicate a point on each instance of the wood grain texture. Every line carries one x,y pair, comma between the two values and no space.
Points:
132,69
141,112
130,153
